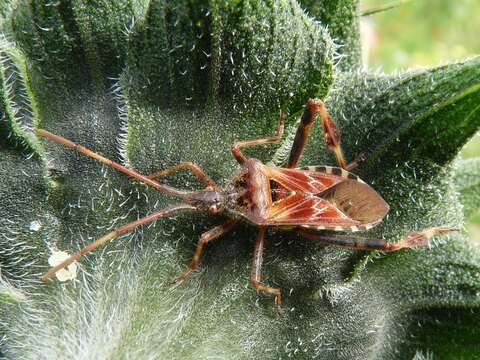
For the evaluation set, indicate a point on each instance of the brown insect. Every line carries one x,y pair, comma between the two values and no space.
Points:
309,199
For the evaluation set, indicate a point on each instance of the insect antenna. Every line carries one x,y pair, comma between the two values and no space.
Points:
71,145
187,196
169,211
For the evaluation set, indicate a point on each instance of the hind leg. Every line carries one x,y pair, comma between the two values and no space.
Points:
415,239
332,134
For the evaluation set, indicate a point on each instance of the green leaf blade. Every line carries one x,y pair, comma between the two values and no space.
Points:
260,57
467,183
342,18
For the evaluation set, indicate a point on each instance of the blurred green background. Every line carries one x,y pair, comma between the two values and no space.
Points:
419,33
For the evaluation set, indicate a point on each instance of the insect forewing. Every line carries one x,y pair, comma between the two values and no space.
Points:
323,197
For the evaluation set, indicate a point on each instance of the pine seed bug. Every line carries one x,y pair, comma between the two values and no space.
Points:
316,201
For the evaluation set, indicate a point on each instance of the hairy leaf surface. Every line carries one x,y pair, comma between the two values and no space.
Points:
150,84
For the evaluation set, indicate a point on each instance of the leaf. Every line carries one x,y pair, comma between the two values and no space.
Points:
467,183
421,116
236,65
342,18
450,332
15,108
181,84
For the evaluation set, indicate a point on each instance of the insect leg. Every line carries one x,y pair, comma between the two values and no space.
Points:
190,166
414,239
65,142
169,211
303,130
237,153
332,134
353,165
255,275
210,235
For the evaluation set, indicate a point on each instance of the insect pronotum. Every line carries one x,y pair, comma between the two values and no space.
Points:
321,202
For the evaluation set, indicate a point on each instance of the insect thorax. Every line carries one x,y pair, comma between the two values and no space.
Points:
248,195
